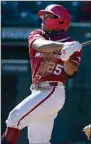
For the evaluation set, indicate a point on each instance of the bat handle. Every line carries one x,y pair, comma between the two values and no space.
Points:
86,43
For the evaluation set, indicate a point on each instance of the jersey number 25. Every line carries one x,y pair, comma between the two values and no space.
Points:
54,68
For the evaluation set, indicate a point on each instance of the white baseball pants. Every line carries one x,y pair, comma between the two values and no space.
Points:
38,112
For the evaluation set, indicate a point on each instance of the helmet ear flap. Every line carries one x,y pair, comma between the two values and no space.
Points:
61,22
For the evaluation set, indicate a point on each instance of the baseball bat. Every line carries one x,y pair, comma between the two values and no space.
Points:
86,43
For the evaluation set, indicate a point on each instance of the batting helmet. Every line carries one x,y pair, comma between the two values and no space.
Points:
63,17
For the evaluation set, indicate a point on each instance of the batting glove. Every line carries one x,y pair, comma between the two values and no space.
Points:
68,49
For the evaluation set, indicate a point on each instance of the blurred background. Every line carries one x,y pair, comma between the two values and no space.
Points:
18,19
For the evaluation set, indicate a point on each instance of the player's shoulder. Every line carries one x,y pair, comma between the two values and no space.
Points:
68,38
36,32
65,38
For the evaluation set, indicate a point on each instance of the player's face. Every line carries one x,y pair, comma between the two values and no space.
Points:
45,16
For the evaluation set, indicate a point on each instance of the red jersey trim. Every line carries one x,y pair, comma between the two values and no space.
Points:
75,62
37,105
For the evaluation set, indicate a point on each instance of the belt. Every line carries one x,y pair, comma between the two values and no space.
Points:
45,85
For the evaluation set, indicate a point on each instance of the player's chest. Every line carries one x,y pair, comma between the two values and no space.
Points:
48,56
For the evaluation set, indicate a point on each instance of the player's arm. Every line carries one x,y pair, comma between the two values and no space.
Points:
39,43
48,46
71,66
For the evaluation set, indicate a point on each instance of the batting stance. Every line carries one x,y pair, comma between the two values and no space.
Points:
53,56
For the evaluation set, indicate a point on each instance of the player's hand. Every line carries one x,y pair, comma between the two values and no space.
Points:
87,131
69,48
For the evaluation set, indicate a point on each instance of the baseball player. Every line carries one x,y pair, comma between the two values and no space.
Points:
54,56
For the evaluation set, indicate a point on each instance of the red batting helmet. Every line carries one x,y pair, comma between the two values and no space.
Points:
63,17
